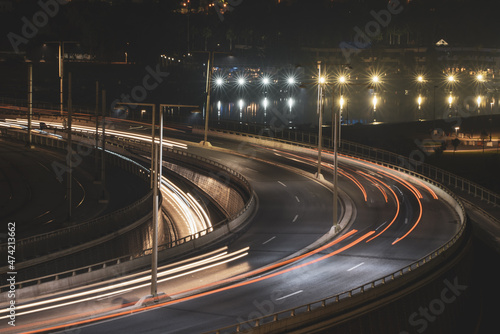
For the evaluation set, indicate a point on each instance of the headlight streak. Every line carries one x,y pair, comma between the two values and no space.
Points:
229,287
207,263
89,129
403,182
194,227
376,182
406,184
303,159
201,212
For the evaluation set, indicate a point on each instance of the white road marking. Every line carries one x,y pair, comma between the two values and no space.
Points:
298,200
284,185
359,265
381,225
292,294
294,219
269,240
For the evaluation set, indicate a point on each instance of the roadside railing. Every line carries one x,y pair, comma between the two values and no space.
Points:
249,202
369,286
38,245
350,148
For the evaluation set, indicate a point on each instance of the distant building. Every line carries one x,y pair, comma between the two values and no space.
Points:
6,6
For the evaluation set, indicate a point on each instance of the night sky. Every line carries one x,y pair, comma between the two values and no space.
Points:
146,30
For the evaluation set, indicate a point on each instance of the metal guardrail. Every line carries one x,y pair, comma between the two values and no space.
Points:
310,141
241,180
35,246
310,307
70,273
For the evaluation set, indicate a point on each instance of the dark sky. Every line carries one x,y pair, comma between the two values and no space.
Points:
150,29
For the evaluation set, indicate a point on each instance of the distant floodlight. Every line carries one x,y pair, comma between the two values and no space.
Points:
219,82
241,81
266,81
291,80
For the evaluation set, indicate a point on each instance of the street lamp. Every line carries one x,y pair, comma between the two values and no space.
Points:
208,90
61,70
265,81
241,81
321,84
375,80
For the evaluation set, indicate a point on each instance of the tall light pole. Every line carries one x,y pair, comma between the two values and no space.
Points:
321,83
375,81
210,61
70,151
61,71
208,89
155,184
156,176
30,103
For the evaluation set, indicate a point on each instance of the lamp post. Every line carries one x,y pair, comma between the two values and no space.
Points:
321,83
375,82
207,91
30,103
61,71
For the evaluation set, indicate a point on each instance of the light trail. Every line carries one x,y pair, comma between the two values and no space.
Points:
177,272
221,289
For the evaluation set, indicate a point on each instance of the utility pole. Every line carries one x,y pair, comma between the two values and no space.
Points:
320,117
103,152
70,150
30,103
96,150
336,142
208,88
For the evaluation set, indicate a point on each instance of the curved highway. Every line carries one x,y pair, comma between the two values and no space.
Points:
392,222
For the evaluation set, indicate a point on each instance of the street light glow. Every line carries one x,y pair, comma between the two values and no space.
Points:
291,80
219,81
241,81
266,80
322,80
